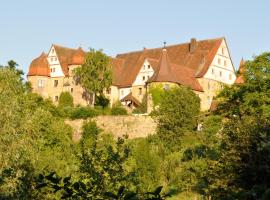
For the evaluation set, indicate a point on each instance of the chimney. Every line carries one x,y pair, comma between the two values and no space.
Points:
192,45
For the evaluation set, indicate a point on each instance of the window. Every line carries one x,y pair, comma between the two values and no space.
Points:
219,61
51,59
52,70
41,83
148,66
148,77
143,78
213,71
52,50
55,98
143,67
122,92
225,63
109,91
55,83
71,90
230,76
220,73
140,91
55,59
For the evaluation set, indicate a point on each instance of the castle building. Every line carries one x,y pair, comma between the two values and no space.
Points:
204,66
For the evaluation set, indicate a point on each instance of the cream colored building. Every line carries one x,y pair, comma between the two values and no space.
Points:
204,66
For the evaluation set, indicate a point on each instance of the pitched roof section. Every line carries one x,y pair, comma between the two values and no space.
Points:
78,57
39,66
240,76
131,98
177,74
65,57
198,58
163,72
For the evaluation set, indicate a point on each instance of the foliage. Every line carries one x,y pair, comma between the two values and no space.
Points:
83,113
142,108
65,100
177,114
95,74
118,110
242,170
33,138
156,92
102,101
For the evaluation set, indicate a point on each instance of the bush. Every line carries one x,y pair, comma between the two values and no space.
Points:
118,111
102,101
65,100
83,113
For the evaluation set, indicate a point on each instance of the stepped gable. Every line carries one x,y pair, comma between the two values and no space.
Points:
78,57
39,66
240,76
195,55
65,57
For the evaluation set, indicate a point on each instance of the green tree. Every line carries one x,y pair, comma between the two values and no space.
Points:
243,168
176,114
65,100
95,74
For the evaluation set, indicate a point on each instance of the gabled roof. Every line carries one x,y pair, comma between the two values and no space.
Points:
65,56
39,66
131,98
198,60
240,76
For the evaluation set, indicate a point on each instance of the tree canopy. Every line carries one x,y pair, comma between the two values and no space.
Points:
95,74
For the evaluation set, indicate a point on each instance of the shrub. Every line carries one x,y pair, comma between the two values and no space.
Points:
102,101
83,113
65,100
118,111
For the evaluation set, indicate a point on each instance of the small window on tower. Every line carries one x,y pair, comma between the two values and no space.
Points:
55,83
140,91
40,83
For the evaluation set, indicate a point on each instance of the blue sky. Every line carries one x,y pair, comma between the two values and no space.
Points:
29,27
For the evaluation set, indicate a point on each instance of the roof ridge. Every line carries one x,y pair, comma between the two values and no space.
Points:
68,48
168,46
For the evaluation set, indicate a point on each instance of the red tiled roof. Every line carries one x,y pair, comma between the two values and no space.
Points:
167,72
39,66
240,76
198,60
78,57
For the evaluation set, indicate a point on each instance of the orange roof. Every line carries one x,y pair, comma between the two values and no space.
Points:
167,72
240,76
39,66
78,57
198,60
